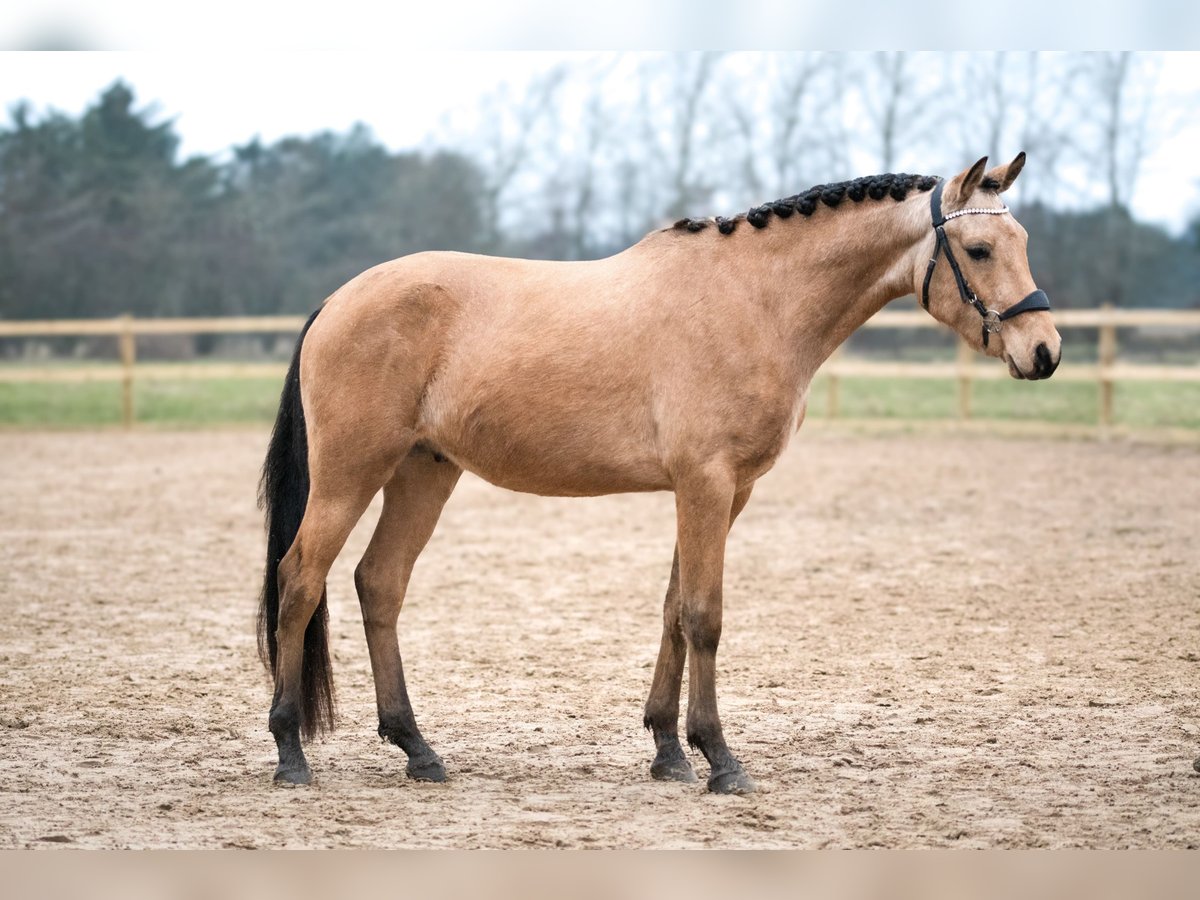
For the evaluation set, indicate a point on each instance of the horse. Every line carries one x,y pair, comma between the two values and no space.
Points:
682,364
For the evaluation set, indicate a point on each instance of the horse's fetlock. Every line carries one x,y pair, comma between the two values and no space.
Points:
704,735
284,720
398,732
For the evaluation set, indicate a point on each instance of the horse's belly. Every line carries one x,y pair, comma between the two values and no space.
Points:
538,454
550,480
539,471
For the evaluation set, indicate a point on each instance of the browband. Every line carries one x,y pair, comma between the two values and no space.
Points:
1035,302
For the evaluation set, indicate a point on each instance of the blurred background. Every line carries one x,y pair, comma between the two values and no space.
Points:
159,187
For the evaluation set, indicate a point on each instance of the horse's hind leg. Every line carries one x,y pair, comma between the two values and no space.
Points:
412,504
662,706
329,517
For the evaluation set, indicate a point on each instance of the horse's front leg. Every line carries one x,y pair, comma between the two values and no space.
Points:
704,504
662,705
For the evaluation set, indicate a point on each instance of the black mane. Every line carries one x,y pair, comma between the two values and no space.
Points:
875,187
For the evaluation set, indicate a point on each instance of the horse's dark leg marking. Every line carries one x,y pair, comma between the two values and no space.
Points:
412,504
704,507
662,706
327,523
284,723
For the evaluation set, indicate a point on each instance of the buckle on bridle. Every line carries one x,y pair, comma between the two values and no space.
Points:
992,321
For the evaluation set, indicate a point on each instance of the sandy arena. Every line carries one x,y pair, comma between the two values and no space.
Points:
930,640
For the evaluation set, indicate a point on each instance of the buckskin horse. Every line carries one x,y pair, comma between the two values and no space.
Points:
680,364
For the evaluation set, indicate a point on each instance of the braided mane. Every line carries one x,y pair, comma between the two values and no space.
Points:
874,187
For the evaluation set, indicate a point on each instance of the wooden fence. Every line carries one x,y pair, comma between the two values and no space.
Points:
964,370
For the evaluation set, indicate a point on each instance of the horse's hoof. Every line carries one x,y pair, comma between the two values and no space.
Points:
427,769
731,781
673,770
1196,764
293,775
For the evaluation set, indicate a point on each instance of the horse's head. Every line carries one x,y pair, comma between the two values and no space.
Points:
976,276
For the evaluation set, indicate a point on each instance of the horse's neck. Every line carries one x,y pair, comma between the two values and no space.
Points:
826,283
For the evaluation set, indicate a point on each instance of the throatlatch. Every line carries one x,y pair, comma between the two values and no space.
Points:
1037,301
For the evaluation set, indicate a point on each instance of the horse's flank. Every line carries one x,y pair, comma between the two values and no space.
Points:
683,349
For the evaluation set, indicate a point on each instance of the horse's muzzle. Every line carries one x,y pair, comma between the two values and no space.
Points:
1043,363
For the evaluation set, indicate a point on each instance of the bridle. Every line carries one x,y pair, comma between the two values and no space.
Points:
1035,302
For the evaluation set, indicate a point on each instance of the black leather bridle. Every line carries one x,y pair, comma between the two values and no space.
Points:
1035,302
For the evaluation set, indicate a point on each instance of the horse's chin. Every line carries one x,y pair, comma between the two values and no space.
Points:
1013,370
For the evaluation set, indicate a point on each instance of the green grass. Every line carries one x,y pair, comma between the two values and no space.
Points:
1144,404
192,402
231,401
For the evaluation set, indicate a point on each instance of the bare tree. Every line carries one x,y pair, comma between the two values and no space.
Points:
506,133
1049,111
797,132
1120,96
986,93
1004,102
1121,87
902,107
675,107
583,182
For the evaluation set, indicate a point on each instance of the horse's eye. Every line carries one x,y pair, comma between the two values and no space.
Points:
978,252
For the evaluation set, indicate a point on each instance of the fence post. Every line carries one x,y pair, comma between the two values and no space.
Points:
832,395
1106,357
964,358
128,346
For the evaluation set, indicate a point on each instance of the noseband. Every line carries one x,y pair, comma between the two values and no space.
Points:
1035,302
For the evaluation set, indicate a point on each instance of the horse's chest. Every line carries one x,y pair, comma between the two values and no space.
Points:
759,438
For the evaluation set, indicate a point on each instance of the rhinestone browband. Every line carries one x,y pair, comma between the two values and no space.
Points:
976,210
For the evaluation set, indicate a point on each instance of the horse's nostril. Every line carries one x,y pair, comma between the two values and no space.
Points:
1044,364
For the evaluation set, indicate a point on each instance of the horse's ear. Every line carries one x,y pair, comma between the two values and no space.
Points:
964,184
1001,178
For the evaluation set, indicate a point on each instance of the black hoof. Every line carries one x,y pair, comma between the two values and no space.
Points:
672,766
1196,764
674,769
293,775
731,781
428,768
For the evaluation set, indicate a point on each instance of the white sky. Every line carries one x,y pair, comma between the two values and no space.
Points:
227,97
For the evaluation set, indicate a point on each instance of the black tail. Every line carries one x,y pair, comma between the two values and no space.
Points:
282,495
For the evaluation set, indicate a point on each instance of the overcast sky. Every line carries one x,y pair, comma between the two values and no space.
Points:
219,99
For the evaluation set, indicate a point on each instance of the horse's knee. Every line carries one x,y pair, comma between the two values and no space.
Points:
702,625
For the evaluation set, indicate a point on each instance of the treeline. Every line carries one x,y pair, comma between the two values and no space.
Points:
99,215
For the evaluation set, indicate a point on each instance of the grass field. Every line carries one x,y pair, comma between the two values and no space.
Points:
232,401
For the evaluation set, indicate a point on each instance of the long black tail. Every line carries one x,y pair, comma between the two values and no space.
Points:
282,495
